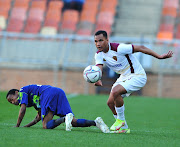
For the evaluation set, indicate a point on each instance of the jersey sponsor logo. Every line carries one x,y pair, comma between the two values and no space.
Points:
116,65
115,58
104,59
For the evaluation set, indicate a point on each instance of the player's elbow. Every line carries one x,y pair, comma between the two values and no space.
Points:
140,48
144,48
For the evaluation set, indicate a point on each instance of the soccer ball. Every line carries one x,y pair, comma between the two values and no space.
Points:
92,73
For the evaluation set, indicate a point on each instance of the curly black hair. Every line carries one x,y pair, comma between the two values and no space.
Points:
12,91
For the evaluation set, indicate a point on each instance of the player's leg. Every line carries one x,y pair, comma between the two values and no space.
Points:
125,127
48,107
82,122
50,123
87,123
70,121
46,119
111,104
116,93
122,89
60,105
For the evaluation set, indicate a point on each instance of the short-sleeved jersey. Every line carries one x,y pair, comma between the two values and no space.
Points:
30,95
120,59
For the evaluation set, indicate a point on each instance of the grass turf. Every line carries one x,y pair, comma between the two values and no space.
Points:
153,122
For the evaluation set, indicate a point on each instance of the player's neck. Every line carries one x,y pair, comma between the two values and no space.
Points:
106,49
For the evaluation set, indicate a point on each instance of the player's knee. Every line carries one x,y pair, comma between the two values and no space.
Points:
115,93
44,126
110,104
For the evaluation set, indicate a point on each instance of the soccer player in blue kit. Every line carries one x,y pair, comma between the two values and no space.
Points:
49,101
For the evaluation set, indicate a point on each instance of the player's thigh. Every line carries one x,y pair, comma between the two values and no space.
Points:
118,89
132,84
47,118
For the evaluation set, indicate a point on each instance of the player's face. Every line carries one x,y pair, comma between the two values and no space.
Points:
101,43
12,98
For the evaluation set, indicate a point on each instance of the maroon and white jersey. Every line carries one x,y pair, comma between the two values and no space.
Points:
120,59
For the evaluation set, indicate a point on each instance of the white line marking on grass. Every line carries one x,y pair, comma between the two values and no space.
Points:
69,96
6,124
95,128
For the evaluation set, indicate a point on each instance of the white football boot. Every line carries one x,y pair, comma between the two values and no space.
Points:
68,120
101,125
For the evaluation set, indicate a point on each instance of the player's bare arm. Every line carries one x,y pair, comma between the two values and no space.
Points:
99,83
22,112
35,121
148,51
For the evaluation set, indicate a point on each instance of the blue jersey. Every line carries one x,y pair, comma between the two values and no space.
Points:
30,95
45,97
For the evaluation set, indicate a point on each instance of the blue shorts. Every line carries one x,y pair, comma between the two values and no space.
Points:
54,99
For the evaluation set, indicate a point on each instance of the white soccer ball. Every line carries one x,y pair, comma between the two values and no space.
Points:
92,73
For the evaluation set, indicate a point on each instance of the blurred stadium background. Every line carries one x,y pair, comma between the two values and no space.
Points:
40,44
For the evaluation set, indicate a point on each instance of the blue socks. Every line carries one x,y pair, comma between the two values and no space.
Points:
80,123
54,123
85,123
50,124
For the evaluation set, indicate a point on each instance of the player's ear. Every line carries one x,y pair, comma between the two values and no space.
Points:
17,93
8,99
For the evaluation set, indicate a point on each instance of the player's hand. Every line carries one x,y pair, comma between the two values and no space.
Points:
168,55
98,83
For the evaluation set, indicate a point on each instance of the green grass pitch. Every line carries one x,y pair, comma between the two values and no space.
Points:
153,122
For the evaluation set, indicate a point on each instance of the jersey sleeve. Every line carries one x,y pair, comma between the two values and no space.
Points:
125,49
98,59
23,97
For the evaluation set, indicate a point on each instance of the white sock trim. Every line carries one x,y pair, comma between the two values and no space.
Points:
115,116
120,112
